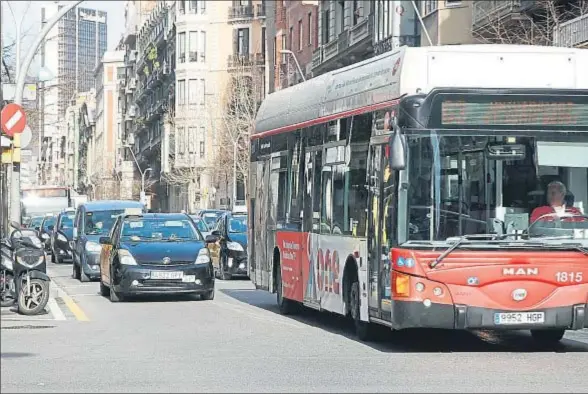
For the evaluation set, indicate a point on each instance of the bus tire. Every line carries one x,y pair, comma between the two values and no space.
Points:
363,330
285,305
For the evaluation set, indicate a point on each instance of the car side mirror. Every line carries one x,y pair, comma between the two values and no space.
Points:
210,239
50,227
105,241
38,228
216,233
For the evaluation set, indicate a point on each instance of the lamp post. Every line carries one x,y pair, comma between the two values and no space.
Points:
143,173
289,52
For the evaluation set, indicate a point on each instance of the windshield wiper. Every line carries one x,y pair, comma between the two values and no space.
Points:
460,241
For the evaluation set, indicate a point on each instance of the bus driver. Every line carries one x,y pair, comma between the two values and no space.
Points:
556,192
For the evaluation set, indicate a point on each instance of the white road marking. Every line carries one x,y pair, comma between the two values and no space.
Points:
55,309
13,119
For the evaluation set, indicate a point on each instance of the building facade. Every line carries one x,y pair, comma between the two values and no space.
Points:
70,53
296,27
345,34
395,24
447,22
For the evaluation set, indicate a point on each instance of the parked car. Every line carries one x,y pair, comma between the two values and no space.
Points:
155,253
46,230
62,236
228,246
35,222
201,225
94,219
210,216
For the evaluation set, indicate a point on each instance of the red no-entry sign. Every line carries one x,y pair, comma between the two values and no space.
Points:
14,119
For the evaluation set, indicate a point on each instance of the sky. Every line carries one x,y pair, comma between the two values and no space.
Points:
30,13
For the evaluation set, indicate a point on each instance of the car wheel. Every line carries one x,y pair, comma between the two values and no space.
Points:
76,272
224,275
363,330
83,276
208,296
53,259
104,290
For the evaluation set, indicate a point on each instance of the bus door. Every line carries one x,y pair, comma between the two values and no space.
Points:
311,224
259,228
380,207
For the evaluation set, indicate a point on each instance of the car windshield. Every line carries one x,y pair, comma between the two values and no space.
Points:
238,224
36,221
564,226
66,221
48,222
210,218
200,224
159,229
459,185
100,222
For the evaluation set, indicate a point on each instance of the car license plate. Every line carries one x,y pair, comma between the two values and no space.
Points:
189,278
167,275
506,318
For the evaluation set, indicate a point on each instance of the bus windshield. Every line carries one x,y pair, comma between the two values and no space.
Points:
455,187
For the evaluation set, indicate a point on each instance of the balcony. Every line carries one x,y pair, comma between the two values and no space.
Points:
317,57
573,33
485,12
238,60
240,12
261,10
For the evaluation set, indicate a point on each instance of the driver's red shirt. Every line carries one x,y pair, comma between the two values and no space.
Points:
546,210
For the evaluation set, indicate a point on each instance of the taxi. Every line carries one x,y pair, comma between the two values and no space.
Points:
154,253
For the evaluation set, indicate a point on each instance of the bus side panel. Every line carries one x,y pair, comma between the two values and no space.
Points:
291,246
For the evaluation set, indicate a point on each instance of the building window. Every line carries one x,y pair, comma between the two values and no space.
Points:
430,6
202,46
291,39
202,92
263,43
181,47
201,141
182,6
193,91
181,140
193,45
193,6
326,22
202,6
283,48
341,10
300,35
192,139
356,12
452,3
182,92
242,41
310,29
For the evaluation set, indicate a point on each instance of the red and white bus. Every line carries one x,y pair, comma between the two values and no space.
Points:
398,191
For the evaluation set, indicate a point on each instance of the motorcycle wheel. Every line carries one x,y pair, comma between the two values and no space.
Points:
34,303
6,296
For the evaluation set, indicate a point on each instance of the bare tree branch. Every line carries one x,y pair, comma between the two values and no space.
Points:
533,27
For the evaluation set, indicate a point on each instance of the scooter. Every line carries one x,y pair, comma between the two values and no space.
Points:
7,290
31,282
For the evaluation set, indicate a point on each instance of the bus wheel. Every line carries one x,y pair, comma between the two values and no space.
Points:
363,329
547,337
285,305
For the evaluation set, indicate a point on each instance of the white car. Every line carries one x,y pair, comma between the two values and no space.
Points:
201,225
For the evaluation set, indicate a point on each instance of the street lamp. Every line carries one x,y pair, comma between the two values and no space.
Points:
142,172
289,52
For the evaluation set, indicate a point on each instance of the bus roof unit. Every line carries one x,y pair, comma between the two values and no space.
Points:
379,81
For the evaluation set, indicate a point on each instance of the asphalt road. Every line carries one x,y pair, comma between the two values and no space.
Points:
239,343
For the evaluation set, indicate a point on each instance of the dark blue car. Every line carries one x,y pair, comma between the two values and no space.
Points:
228,246
155,253
62,236
94,219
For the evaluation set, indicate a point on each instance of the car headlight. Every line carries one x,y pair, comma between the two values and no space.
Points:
93,247
203,257
30,261
61,238
126,258
235,246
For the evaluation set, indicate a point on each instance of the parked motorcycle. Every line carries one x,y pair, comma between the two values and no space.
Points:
7,290
31,282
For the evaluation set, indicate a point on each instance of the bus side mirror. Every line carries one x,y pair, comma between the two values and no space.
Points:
397,145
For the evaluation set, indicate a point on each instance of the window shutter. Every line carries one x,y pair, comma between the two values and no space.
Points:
235,41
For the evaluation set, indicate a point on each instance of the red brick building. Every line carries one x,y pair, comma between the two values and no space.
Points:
296,31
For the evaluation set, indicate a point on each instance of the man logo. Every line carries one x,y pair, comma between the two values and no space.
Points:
166,260
519,294
520,271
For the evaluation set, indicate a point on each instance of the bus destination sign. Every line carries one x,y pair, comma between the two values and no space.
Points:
513,113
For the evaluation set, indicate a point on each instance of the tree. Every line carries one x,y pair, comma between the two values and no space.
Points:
533,27
237,110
